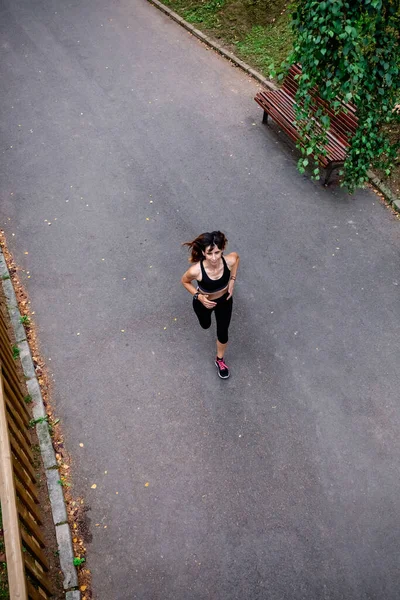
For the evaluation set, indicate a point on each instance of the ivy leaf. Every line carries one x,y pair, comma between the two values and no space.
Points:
359,63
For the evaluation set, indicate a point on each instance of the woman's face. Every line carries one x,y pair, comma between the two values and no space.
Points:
213,254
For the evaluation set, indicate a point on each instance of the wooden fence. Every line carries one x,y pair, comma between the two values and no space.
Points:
27,565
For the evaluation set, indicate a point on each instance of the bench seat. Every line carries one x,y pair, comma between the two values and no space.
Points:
280,106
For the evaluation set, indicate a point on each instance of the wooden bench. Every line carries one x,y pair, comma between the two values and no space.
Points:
280,105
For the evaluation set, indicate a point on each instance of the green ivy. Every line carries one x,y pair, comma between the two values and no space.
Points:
350,51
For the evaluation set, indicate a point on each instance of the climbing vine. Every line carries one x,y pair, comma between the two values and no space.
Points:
350,51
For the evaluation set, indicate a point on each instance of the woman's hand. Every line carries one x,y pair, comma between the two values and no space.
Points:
205,301
231,285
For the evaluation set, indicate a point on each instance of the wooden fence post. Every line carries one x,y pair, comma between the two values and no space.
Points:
12,536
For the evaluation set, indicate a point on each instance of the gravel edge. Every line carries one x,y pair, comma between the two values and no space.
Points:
56,496
374,179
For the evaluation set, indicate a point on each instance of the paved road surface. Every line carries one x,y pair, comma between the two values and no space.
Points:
129,137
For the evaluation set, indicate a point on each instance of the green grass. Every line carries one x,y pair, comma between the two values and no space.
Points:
264,46
206,14
4,595
257,31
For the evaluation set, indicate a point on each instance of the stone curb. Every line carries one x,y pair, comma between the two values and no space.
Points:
3,267
9,293
64,540
383,189
376,182
56,496
26,360
19,330
213,44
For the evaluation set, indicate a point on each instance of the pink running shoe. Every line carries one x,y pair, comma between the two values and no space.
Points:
222,368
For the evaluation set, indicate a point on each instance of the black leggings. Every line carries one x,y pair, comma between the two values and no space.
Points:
223,313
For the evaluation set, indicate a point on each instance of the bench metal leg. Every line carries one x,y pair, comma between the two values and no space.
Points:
265,117
333,165
328,174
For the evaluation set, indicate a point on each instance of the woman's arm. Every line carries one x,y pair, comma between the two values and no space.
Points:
233,263
187,278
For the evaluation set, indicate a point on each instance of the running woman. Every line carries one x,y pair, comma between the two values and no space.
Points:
216,276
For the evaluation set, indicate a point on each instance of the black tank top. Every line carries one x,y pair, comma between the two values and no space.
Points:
210,286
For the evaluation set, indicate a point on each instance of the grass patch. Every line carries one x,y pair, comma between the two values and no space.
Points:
264,46
207,14
258,31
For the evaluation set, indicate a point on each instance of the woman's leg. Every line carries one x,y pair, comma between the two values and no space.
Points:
203,314
223,314
221,349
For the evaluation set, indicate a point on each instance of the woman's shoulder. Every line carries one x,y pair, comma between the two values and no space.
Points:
231,258
195,270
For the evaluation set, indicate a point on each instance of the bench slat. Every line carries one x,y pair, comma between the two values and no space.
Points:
283,110
280,105
345,123
291,130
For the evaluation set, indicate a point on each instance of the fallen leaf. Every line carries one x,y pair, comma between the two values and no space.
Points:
81,445
146,484
94,486
83,588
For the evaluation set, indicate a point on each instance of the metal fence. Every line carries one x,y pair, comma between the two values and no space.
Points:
27,565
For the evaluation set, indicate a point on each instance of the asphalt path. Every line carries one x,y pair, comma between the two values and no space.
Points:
121,137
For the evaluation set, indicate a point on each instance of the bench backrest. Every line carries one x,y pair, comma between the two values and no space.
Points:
343,124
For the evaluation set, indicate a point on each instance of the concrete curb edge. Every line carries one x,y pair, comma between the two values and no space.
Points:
213,44
56,496
374,180
383,189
